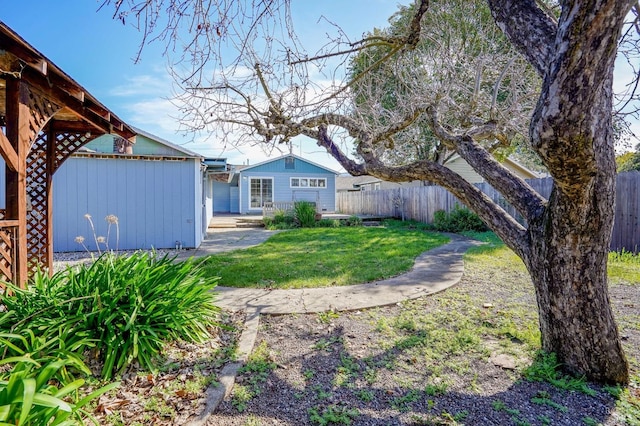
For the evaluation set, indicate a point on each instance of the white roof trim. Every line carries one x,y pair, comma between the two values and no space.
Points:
285,156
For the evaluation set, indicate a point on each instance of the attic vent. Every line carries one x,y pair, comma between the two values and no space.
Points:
122,146
290,163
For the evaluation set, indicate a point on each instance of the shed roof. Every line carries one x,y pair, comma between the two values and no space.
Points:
165,142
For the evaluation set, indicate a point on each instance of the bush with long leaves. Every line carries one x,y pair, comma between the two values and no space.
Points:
36,384
127,307
304,214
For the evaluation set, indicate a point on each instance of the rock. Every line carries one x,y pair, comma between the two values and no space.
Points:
503,361
487,305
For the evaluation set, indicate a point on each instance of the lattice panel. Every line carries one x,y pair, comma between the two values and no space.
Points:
68,143
38,238
42,109
37,223
7,253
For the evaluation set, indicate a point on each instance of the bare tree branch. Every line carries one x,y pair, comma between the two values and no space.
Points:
531,29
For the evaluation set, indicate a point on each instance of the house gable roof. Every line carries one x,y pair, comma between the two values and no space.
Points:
145,146
507,162
352,183
180,150
273,160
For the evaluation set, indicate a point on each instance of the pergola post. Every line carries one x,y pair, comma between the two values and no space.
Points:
17,133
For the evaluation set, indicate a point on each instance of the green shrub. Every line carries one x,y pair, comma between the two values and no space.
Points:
328,223
280,220
305,214
38,388
126,306
353,221
458,220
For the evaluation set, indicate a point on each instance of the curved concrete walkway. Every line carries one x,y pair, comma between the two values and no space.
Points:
433,271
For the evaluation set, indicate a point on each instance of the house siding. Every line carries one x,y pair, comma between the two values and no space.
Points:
208,203
157,202
278,166
221,197
282,190
234,197
463,168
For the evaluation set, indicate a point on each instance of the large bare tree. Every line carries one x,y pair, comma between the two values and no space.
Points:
271,90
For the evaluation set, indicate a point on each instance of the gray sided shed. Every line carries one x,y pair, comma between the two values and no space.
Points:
158,192
284,179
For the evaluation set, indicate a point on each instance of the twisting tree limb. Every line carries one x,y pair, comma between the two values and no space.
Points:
531,29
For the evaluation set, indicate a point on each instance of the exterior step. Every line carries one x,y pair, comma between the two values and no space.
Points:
249,224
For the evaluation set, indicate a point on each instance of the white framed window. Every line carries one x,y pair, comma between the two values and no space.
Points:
305,182
260,192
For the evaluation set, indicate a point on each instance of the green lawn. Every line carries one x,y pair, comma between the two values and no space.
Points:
323,257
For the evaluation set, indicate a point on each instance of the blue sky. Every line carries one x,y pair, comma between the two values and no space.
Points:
98,53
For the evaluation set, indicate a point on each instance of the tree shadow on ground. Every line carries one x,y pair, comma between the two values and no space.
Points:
338,379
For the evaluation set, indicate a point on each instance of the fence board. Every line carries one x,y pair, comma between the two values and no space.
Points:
420,203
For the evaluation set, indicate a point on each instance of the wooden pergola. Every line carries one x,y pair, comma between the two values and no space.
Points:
45,116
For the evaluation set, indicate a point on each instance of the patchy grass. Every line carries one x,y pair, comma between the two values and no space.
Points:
432,361
624,268
323,257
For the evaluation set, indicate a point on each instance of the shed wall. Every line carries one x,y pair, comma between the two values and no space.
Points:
157,202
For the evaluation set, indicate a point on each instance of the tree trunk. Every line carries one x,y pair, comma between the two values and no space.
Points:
571,130
568,266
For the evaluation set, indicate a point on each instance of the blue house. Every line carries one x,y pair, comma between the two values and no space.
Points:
157,190
246,189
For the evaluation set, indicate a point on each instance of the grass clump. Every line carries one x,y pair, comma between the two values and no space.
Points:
322,257
333,415
122,308
407,224
546,368
280,220
258,367
624,267
353,220
303,215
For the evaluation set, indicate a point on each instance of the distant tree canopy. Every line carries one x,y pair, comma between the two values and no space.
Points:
463,64
629,161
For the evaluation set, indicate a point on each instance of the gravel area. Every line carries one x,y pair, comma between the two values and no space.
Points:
345,369
62,260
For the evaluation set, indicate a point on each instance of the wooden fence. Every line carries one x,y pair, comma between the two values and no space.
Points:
420,203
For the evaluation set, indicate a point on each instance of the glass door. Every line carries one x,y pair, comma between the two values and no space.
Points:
261,192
